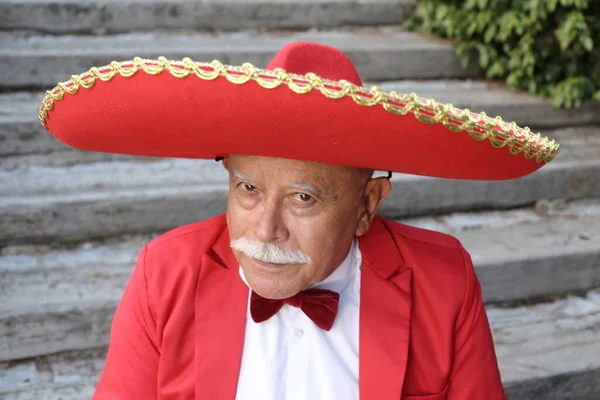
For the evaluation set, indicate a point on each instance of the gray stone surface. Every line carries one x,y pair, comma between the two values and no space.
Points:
55,198
109,16
550,351
61,299
50,328
82,390
19,375
570,385
546,351
65,376
50,299
26,137
21,132
379,54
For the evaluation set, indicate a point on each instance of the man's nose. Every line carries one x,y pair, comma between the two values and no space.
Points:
269,225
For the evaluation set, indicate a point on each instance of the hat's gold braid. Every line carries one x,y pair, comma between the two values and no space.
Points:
480,126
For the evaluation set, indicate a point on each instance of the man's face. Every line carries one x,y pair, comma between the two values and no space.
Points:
299,216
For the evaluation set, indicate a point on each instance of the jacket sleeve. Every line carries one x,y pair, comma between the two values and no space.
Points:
475,374
130,371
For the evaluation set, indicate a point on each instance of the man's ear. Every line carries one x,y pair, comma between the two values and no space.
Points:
376,191
225,162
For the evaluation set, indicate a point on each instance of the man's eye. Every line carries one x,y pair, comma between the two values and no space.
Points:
248,187
303,197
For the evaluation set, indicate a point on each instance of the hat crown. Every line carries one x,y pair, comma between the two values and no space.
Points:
327,62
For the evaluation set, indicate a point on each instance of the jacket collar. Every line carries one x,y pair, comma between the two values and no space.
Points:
385,312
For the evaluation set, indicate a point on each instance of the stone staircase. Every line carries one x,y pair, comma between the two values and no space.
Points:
71,222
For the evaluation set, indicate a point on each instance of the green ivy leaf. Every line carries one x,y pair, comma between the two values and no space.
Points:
490,33
588,43
496,70
551,5
484,57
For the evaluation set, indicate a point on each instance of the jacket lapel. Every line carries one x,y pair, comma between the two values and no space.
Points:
385,307
220,320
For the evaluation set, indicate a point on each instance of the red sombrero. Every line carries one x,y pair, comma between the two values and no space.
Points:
308,104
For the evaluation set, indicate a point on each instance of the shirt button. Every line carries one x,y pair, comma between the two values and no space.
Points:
299,332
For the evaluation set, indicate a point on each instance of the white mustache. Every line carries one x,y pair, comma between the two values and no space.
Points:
269,252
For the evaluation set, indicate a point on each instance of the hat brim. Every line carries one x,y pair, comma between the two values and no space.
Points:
186,109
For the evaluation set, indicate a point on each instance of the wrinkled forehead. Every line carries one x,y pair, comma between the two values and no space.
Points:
295,172
262,164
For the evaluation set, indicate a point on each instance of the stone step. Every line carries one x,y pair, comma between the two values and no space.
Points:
20,129
66,197
65,376
58,299
546,351
379,53
111,16
550,351
21,132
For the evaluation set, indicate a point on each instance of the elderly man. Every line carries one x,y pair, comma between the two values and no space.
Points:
300,291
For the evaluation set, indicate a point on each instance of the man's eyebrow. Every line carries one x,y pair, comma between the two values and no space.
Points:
306,186
309,187
240,176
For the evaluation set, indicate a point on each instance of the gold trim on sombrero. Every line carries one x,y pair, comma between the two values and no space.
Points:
480,127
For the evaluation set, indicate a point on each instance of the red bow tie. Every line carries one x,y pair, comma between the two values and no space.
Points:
319,305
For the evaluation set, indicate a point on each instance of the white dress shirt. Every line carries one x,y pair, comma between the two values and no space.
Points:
288,357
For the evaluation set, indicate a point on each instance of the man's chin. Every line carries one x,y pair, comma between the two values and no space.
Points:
273,293
271,281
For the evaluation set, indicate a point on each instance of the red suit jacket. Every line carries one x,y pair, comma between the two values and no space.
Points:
179,328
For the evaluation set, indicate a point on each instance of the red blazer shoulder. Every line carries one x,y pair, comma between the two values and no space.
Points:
152,336
171,264
450,338
438,260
